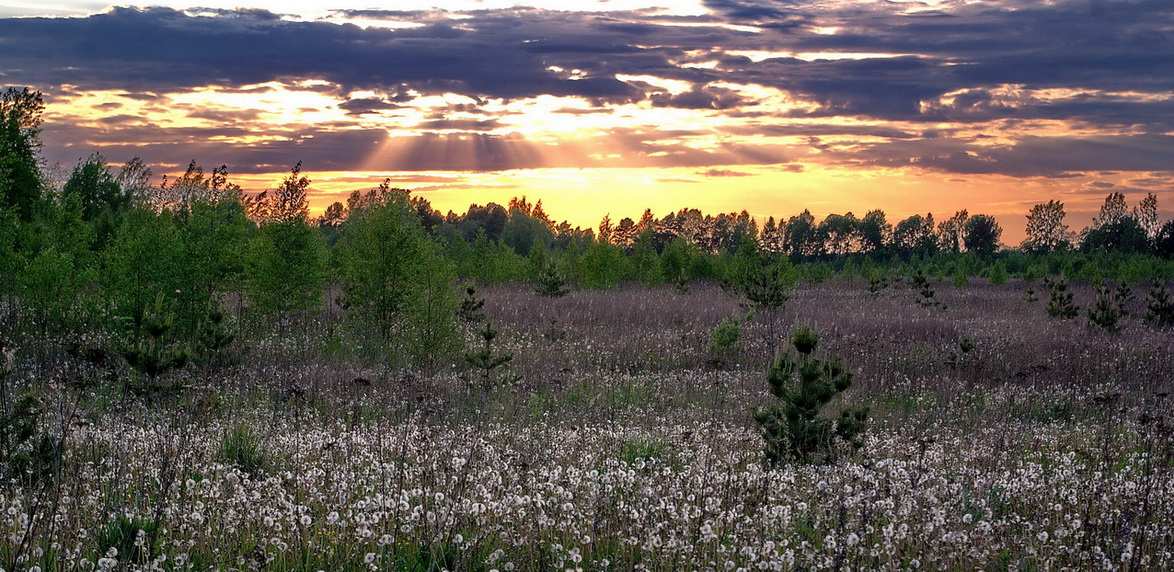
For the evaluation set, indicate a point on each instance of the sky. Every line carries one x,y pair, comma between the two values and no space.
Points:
610,107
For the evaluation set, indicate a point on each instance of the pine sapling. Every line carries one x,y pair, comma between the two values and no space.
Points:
486,361
1105,314
795,427
1060,303
1159,307
551,281
470,310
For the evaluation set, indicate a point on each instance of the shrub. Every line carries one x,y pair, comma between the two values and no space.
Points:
998,275
793,428
470,310
486,361
925,291
723,344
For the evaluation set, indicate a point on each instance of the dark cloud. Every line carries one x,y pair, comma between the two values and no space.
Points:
1107,65
1030,157
723,173
700,98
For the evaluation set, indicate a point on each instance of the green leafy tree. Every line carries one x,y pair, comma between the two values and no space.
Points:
286,266
102,199
915,236
20,144
145,260
952,232
875,232
381,256
796,428
602,266
1123,235
431,322
60,267
644,261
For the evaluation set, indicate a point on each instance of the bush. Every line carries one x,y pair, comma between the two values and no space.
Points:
723,344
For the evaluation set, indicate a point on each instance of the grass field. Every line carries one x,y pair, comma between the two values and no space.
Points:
614,442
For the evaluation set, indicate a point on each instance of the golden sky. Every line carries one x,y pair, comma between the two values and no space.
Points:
613,107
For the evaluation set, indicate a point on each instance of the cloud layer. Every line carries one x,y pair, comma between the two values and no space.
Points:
1012,87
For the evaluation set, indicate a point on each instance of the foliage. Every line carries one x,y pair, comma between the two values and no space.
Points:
551,281
723,342
143,263
602,266
765,281
431,317
241,448
998,273
925,292
382,257
20,126
150,346
1046,231
132,540
471,308
1105,313
793,429
286,268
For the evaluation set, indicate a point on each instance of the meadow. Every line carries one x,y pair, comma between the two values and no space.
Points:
998,438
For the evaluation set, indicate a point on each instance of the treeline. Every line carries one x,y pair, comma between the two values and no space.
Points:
158,265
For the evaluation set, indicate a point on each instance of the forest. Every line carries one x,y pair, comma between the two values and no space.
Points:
194,377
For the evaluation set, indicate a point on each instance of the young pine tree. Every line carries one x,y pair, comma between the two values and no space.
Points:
795,427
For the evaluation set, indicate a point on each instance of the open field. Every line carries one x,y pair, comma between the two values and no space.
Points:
620,444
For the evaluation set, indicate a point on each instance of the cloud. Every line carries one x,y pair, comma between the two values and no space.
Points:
936,87
723,173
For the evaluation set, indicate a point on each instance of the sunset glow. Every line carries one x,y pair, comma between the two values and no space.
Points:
614,107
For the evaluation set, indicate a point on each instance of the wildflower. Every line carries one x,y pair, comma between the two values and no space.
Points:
369,558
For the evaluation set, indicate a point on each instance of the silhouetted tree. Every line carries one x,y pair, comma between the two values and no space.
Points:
951,232
915,235
981,235
1046,231
875,232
